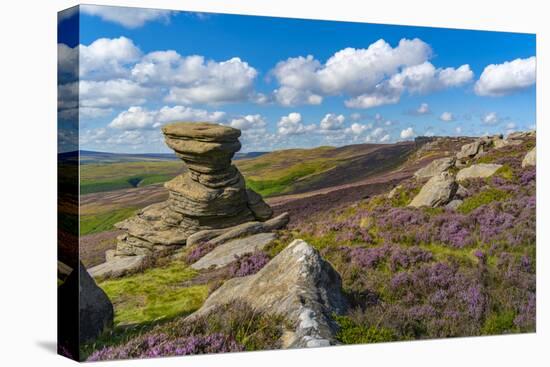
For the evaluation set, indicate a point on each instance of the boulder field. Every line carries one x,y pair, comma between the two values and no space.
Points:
444,174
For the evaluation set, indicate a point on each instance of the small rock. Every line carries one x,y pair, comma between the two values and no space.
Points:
461,192
394,191
258,206
470,150
226,253
530,158
436,192
480,170
297,284
454,204
434,168
117,266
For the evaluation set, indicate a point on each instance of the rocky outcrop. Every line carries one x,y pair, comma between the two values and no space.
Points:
501,143
226,253
298,284
480,170
218,236
434,168
469,151
210,195
530,159
95,310
439,190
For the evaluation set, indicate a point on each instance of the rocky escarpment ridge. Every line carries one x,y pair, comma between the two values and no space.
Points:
297,284
445,174
210,195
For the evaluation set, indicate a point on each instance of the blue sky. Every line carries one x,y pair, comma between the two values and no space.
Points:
290,83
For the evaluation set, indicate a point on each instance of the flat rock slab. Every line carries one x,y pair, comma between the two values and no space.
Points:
225,254
481,170
117,266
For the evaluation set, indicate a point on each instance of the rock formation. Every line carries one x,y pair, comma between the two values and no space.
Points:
298,284
434,168
480,170
211,194
439,190
530,158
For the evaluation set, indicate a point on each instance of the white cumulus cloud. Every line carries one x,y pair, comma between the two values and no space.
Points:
407,133
249,122
490,118
332,122
127,17
371,77
447,116
136,117
109,93
292,125
508,77
423,109
351,71
107,58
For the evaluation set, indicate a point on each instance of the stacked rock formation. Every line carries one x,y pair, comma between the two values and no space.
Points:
210,195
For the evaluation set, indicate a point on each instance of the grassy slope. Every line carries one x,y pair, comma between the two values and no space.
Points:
155,294
287,171
96,223
116,176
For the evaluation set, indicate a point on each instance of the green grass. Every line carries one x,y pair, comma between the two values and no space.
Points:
353,333
95,223
116,176
482,198
270,187
154,295
499,323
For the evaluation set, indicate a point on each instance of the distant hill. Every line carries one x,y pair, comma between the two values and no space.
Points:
91,157
299,170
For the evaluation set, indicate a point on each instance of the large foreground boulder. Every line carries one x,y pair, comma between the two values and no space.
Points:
298,284
434,168
481,170
95,310
438,191
530,159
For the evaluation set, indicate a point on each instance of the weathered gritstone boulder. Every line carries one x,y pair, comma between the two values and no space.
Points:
481,170
438,191
226,253
218,236
298,284
210,195
95,310
530,158
471,150
434,168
